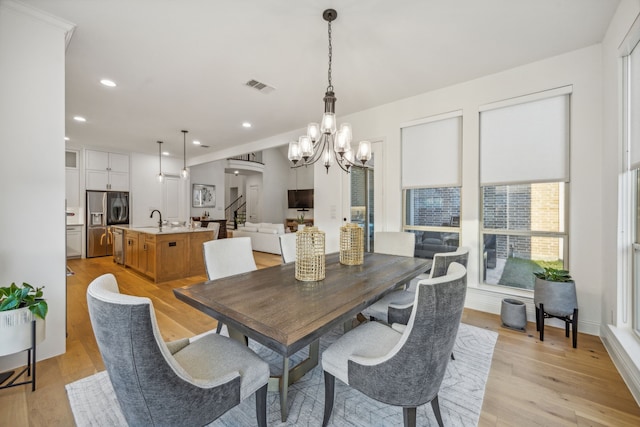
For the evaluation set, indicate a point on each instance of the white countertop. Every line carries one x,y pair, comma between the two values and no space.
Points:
166,229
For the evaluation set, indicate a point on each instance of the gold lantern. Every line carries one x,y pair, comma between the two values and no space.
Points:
351,244
310,263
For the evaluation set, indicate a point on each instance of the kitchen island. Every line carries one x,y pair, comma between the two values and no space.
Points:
165,254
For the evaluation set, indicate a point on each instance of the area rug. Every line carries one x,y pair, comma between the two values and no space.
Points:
94,403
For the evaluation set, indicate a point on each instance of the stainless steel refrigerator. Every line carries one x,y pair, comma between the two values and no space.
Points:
104,209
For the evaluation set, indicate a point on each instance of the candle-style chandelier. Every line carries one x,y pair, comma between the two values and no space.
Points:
324,141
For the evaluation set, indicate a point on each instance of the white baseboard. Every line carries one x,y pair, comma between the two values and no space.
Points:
624,349
491,302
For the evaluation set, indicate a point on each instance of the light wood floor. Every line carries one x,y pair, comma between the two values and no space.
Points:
531,383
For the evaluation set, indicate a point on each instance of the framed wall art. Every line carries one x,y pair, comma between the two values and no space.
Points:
203,196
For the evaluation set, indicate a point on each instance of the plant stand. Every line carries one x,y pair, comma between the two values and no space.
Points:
31,365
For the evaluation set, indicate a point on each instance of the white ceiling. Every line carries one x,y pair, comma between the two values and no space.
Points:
184,64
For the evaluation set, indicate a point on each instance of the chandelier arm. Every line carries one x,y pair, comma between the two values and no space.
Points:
339,162
319,147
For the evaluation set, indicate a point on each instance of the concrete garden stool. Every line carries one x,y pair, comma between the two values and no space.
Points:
513,314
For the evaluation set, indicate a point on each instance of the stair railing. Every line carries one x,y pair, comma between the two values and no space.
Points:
228,210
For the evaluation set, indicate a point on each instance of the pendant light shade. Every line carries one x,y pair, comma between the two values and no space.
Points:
160,176
184,174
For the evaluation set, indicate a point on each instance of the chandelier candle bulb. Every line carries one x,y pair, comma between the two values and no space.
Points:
351,244
310,258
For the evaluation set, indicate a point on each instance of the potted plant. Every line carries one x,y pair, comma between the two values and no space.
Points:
554,295
19,306
300,219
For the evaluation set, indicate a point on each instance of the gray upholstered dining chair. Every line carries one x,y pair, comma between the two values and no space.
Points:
184,382
288,247
396,306
228,257
402,368
215,226
394,243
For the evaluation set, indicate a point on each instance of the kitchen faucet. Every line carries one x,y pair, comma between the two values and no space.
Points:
160,221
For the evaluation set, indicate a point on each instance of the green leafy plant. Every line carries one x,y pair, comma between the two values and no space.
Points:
553,275
14,297
301,219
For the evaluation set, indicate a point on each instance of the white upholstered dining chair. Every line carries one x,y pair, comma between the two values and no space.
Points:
228,257
394,243
288,247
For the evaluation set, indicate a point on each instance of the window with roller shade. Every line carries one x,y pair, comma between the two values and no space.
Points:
431,182
524,178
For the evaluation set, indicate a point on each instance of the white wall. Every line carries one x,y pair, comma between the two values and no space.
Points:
32,168
211,173
274,185
146,193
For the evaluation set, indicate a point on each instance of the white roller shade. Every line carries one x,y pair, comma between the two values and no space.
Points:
431,153
634,106
526,141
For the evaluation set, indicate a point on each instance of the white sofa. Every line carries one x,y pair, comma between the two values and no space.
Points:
265,236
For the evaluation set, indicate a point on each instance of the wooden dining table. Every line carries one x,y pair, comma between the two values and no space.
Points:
273,308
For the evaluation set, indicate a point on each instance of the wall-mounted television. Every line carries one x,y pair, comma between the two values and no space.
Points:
300,199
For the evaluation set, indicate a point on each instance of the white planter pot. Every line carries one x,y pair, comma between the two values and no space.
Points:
15,330
300,227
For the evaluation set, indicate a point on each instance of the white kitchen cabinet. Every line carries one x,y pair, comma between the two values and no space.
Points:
107,171
74,241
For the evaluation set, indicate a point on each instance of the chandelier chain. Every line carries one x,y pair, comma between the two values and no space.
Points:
330,87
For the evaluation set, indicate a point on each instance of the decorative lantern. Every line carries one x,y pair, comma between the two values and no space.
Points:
351,244
310,263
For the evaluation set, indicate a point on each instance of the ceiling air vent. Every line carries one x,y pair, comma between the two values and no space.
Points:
259,86
204,146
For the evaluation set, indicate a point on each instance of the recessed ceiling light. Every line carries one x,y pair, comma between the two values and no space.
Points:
246,125
196,142
66,138
165,153
79,119
107,82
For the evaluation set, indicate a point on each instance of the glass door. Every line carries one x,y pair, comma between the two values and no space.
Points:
362,190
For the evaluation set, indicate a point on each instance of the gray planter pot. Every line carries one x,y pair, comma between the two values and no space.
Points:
559,298
513,314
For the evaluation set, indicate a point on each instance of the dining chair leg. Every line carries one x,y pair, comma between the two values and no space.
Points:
261,406
409,416
329,387
435,405
219,328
